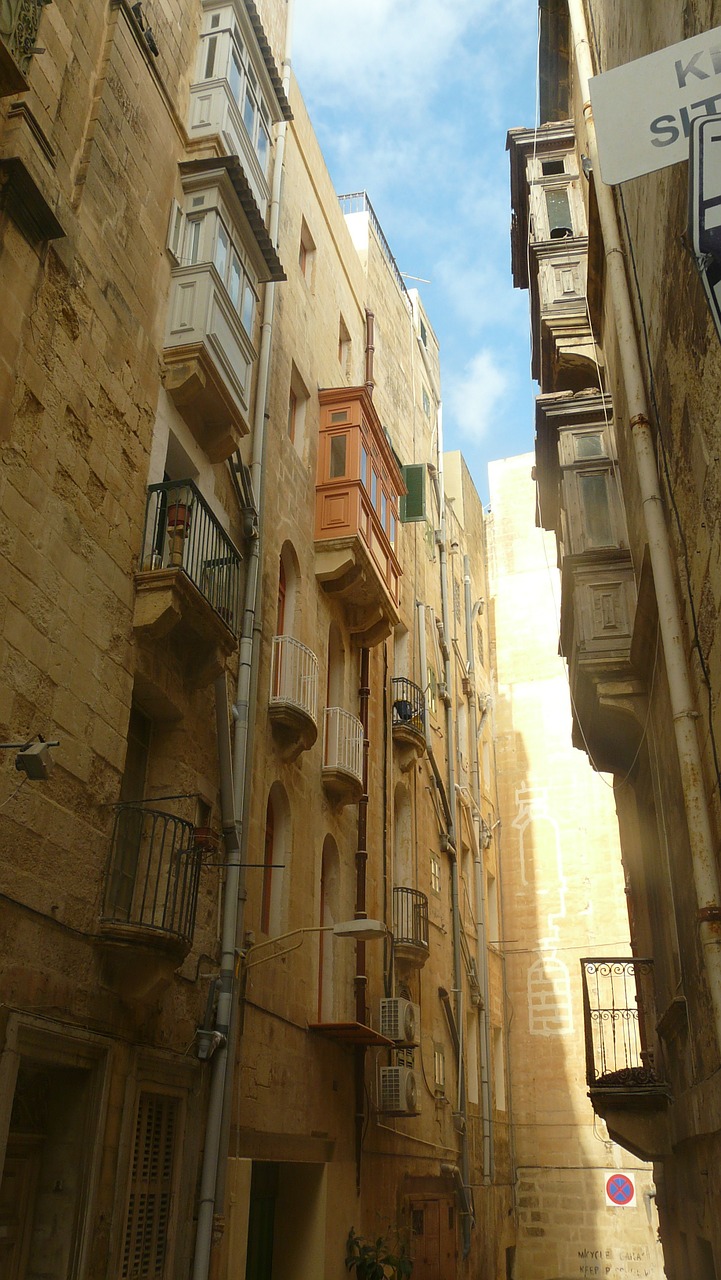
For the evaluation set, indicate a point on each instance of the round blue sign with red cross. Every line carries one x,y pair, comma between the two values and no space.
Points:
620,1191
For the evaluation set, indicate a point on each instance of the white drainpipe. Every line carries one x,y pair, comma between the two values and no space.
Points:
212,1182
703,854
484,1013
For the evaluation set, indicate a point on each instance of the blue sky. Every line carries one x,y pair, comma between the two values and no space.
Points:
411,101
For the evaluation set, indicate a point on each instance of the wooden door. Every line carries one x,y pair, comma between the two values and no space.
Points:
17,1197
433,1226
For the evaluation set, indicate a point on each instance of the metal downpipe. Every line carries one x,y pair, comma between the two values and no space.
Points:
466,1217
212,1193
484,1015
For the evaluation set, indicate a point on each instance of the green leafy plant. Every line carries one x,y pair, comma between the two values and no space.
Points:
385,1258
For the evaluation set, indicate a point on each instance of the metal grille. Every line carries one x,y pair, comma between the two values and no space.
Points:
408,704
19,30
619,1017
146,1233
295,675
410,917
181,532
153,873
343,742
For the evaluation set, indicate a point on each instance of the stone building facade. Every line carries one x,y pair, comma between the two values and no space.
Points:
627,355
563,900
243,591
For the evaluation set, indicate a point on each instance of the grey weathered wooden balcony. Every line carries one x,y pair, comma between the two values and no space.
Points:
293,698
151,895
188,582
410,927
626,1081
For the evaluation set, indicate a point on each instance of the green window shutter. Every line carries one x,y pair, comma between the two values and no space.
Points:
413,503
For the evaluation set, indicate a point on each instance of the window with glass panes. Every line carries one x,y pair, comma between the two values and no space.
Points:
224,56
207,238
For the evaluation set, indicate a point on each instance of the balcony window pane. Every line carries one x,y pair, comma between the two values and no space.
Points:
392,534
596,509
262,146
559,213
235,281
384,509
248,312
589,445
192,248
374,487
221,250
249,113
364,465
235,76
210,58
338,446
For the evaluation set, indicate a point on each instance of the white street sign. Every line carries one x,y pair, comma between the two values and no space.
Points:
643,110
704,207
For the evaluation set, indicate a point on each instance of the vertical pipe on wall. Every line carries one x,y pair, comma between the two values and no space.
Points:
683,707
484,1013
215,1152
361,977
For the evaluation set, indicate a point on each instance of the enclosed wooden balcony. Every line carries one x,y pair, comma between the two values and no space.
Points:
626,1080
356,521
188,583
410,927
293,699
342,756
150,899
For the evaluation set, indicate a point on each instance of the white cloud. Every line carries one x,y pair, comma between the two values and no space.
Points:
382,53
473,398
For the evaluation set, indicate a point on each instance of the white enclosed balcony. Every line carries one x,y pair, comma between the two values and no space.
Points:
210,358
214,111
293,698
343,756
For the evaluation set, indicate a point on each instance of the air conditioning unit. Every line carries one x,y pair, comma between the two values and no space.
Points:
400,1021
398,1092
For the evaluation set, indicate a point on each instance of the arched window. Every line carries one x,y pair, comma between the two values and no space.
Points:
336,667
276,854
329,905
403,869
288,580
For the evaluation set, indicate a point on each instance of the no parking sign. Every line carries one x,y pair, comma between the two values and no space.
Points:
621,1191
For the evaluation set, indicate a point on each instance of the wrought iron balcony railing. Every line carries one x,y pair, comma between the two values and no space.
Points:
408,704
343,743
19,21
619,1021
294,678
410,918
181,532
153,874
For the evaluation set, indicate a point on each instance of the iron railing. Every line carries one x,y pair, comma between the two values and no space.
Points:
619,1020
410,918
358,202
19,29
408,705
181,532
153,873
294,676
343,742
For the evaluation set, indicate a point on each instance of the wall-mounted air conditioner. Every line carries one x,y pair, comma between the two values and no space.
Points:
400,1021
398,1092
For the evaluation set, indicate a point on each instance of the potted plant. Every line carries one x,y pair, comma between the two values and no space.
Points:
379,1259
